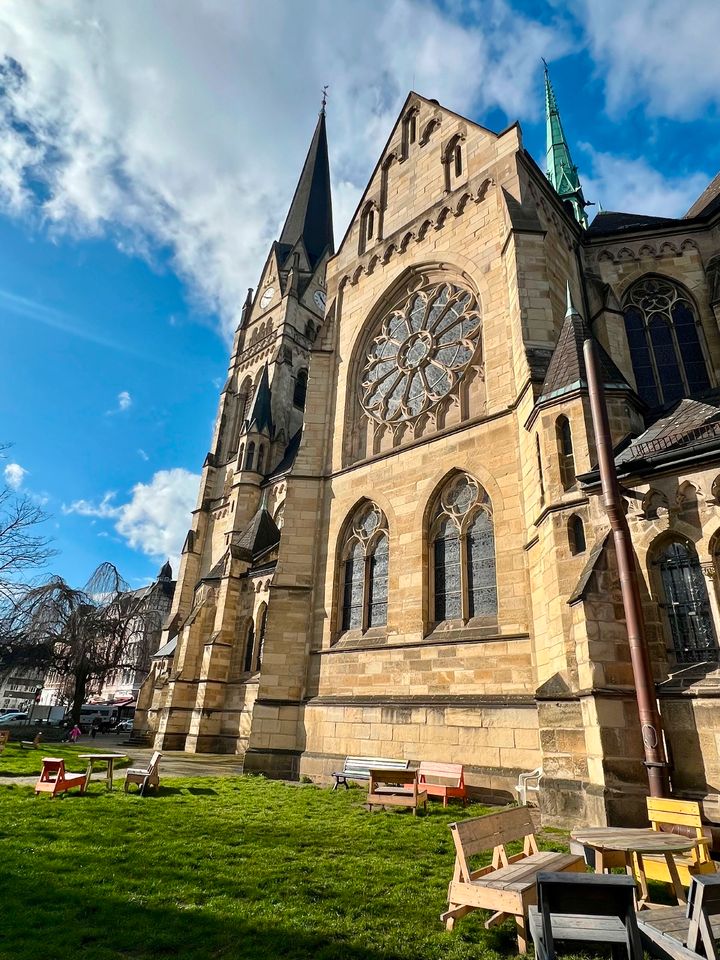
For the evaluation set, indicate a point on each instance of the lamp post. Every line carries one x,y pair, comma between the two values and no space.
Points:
650,725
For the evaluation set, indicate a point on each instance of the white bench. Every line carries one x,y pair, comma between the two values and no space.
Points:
358,768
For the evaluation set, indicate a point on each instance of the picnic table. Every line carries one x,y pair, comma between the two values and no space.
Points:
633,843
108,758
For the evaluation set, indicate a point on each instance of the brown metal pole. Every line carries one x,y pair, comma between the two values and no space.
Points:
650,724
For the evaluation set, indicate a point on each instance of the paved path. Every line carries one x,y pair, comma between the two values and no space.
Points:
174,763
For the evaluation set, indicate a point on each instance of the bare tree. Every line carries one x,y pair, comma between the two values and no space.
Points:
80,636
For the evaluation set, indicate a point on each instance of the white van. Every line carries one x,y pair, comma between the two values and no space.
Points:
106,715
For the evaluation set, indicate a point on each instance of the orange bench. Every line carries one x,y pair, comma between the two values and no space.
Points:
54,779
443,780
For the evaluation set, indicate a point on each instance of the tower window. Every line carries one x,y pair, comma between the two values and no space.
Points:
565,453
370,224
300,391
261,459
576,535
458,159
250,456
666,342
540,469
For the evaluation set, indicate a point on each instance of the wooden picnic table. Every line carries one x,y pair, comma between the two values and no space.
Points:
108,758
633,843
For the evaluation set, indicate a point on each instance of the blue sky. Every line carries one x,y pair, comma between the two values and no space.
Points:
148,153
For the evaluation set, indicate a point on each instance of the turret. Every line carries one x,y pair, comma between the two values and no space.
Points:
561,171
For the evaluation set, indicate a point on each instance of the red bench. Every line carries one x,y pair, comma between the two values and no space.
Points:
54,779
443,780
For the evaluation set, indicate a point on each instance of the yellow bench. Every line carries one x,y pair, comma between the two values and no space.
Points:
663,816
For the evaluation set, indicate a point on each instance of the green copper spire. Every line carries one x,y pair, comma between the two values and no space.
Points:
561,171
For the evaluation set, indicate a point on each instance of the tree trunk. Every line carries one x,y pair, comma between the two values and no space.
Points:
78,698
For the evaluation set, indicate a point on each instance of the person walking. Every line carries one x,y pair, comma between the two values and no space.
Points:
75,733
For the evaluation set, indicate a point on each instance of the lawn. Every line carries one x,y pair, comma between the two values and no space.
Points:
16,762
236,867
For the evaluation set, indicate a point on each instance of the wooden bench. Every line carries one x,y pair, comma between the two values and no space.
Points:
358,768
54,779
679,933
664,815
145,777
4,737
507,886
396,788
33,744
584,908
443,780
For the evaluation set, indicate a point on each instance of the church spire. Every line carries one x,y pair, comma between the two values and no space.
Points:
561,171
310,215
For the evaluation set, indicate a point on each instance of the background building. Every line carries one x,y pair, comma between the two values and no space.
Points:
398,547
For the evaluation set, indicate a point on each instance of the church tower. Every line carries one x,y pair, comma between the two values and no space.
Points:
218,619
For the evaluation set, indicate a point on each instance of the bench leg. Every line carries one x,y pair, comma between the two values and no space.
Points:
454,912
521,925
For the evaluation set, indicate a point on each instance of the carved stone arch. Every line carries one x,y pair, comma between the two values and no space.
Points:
423,229
483,189
388,254
687,492
607,256
647,250
427,131
625,254
405,242
655,504
372,263
689,245
442,217
462,203
668,249
357,273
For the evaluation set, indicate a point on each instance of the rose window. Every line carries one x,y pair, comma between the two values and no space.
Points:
424,348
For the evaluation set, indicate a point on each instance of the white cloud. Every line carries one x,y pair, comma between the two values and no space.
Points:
156,517
657,52
169,125
633,186
124,400
14,475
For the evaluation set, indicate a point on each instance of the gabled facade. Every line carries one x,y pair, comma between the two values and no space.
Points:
417,565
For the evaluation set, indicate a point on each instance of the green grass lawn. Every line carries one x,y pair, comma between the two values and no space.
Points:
16,762
230,868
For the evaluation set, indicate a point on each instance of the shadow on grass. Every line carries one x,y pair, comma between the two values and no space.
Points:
102,924
165,791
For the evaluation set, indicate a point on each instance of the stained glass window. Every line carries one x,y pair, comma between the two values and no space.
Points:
365,570
687,605
565,453
463,545
423,350
666,342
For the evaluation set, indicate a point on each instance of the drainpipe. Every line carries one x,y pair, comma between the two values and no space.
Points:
650,725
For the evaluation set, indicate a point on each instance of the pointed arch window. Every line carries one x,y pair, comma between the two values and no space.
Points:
250,456
249,647
541,480
576,535
565,452
262,620
462,541
409,131
300,391
365,561
261,458
666,341
686,604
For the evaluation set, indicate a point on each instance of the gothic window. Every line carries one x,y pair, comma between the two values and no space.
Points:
365,570
463,552
300,391
422,352
453,161
686,604
565,453
458,159
250,456
261,635
249,648
540,469
261,458
576,535
370,224
666,342
409,131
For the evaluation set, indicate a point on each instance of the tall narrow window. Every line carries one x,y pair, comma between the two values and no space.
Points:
565,453
249,648
370,224
250,456
261,459
463,552
300,391
686,604
365,570
666,341
576,535
261,635
540,469
458,160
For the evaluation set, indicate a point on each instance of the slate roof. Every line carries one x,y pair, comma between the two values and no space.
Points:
260,535
589,568
608,221
310,214
289,456
708,201
686,425
261,414
566,372
166,650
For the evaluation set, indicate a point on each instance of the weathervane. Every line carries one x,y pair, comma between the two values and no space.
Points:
324,98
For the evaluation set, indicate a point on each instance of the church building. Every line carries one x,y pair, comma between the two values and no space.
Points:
399,547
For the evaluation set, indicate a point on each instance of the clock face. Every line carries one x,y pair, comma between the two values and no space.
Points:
319,298
267,297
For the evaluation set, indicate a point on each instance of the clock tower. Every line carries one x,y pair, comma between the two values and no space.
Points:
216,629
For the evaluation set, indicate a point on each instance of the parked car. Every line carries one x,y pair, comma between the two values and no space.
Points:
13,719
9,714
123,726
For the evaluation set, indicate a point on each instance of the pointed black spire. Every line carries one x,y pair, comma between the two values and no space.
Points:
310,215
261,414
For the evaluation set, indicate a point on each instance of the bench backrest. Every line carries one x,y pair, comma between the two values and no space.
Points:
154,762
448,774
493,830
394,777
365,764
703,905
587,895
664,814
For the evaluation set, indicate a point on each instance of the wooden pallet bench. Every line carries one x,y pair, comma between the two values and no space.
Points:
508,885
688,932
358,768
443,780
396,788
